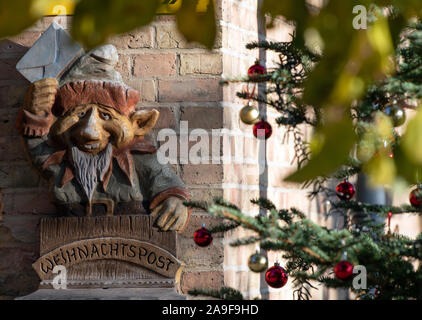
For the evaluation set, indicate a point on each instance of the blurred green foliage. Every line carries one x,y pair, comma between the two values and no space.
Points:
96,20
352,59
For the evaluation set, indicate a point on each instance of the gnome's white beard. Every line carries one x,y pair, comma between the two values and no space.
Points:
90,169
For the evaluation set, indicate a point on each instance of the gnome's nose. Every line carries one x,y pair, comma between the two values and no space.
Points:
91,130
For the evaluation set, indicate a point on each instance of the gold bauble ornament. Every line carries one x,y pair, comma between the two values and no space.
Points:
249,114
257,262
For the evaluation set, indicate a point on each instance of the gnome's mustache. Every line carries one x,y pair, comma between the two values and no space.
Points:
90,169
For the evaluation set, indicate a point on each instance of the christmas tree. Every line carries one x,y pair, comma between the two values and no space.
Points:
313,254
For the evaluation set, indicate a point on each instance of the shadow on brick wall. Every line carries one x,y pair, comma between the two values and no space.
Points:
19,227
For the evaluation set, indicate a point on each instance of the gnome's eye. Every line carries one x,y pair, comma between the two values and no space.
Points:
105,116
81,114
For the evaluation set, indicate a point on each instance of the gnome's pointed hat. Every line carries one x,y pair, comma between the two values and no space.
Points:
93,79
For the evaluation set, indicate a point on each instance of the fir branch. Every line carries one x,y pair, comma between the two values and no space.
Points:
264,203
196,204
250,223
366,207
224,227
244,241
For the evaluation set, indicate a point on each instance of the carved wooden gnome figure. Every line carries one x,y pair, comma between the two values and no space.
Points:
84,134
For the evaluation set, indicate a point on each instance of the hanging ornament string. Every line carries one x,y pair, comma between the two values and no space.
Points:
389,222
249,91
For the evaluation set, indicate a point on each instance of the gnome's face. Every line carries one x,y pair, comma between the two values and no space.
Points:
92,113
91,127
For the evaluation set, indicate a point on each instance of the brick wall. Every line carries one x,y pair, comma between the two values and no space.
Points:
240,25
180,80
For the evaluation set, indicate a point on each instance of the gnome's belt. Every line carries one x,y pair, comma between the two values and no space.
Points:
102,208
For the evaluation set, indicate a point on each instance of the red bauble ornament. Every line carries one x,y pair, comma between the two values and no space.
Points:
266,128
256,69
276,276
345,190
343,270
202,237
415,197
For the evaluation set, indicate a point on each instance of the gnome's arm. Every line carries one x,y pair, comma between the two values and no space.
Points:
166,192
35,119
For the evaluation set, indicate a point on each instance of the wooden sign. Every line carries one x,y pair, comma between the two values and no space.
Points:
67,7
115,251
137,252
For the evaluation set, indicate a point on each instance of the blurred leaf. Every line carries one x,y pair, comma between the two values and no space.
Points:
383,126
411,141
339,138
379,37
295,11
197,27
375,137
381,169
96,20
406,168
352,58
16,16
335,16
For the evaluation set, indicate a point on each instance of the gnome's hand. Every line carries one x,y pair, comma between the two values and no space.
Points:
40,96
170,214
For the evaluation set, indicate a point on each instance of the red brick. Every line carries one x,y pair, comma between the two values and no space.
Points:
167,118
201,63
193,255
17,277
242,198
25,227
207,195
31,201
229,93
169,37
242,173
11,149
189,90
146,88
124,66
155,65
141,38
238,256
20,43
8,69
243,17
201,280
196,220
12,95
8,122
203,117
278,174
202,173
18,176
